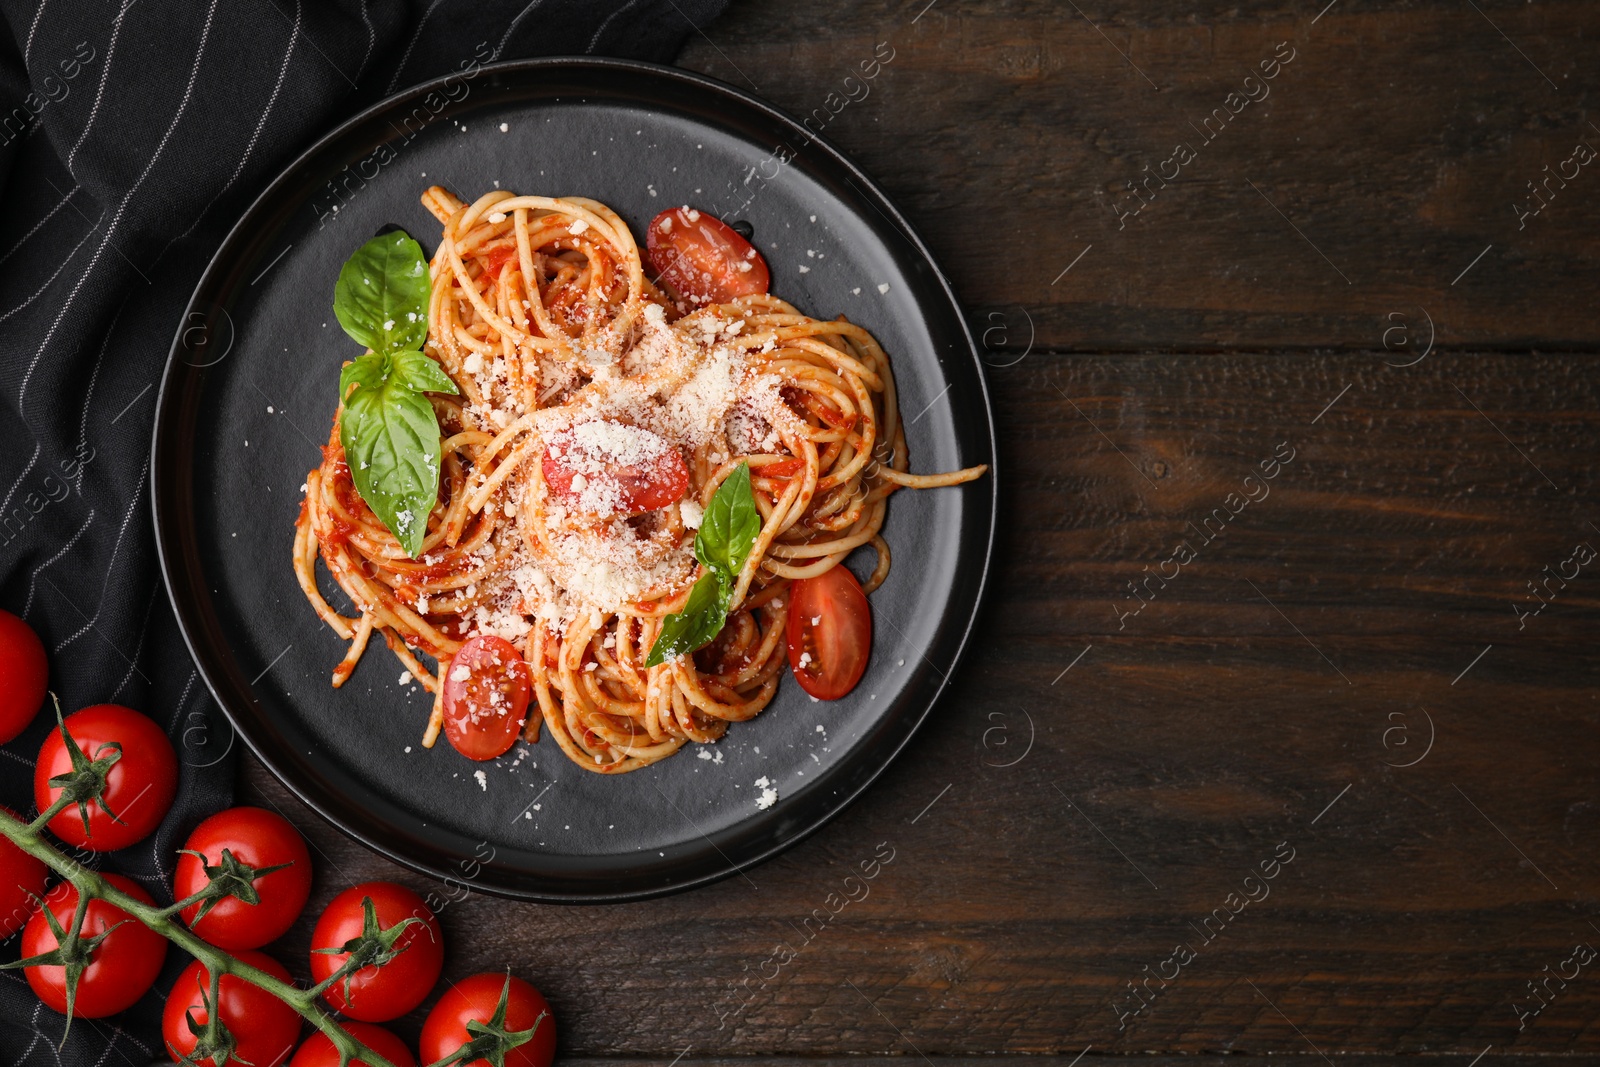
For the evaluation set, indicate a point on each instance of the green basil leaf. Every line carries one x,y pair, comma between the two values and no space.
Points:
391,441
366,371
700,620
421,373
729,527
727,532
381,297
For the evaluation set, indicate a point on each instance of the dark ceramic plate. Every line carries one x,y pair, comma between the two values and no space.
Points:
249,394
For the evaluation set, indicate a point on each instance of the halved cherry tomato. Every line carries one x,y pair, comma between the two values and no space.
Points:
264,1027
139,787
318,1051
703,258
23,672
22,879
830,633
378,994
474,999
486,691
581,466
124,966
256,838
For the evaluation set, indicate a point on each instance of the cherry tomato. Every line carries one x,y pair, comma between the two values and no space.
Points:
830,633
257,839
703,258
486,693
23,674
123,967
264,1027
139,788
582,469
20,884
318,1051
474,1000
378,994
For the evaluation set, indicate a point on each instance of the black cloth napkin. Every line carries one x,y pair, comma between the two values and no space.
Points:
132,133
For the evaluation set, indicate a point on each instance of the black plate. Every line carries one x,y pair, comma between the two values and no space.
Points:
249,393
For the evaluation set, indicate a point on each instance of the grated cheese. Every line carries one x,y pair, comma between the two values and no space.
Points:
636,391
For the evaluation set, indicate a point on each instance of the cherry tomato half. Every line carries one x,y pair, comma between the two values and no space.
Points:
703,258
318,1051
264,1027
124,966
22,880
830,633
258,839
474,1000
585,468
486,694
378,994
139,788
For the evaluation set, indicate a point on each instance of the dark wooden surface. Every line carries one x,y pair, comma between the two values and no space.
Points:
1342,672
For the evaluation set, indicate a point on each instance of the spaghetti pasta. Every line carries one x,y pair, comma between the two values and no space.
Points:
565,353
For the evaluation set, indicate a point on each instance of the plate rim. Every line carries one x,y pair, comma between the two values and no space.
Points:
169,555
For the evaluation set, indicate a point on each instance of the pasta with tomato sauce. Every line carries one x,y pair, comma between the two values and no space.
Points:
628,461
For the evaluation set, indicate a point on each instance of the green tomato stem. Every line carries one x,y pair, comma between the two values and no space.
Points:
49,813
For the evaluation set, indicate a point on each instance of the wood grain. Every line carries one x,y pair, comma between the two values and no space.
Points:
1249,709
1389,154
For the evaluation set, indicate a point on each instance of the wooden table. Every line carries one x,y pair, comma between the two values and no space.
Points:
1371,675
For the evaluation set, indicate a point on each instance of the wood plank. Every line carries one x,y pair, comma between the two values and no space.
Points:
1383,159
1261,702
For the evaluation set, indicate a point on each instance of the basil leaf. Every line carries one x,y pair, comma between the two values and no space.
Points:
727,532
700,620
366,371
381,297
729,527
391,441
422,373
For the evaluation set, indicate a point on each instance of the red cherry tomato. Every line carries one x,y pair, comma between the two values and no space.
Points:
585,468
703,258
124,966
23,673
264,1027
139,788
257,839
318,1051
830,633
474,1000
486,693
22,880
378,994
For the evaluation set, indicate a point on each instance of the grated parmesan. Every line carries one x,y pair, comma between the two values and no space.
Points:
636,391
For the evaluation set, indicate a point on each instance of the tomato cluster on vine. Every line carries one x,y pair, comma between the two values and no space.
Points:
104,780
